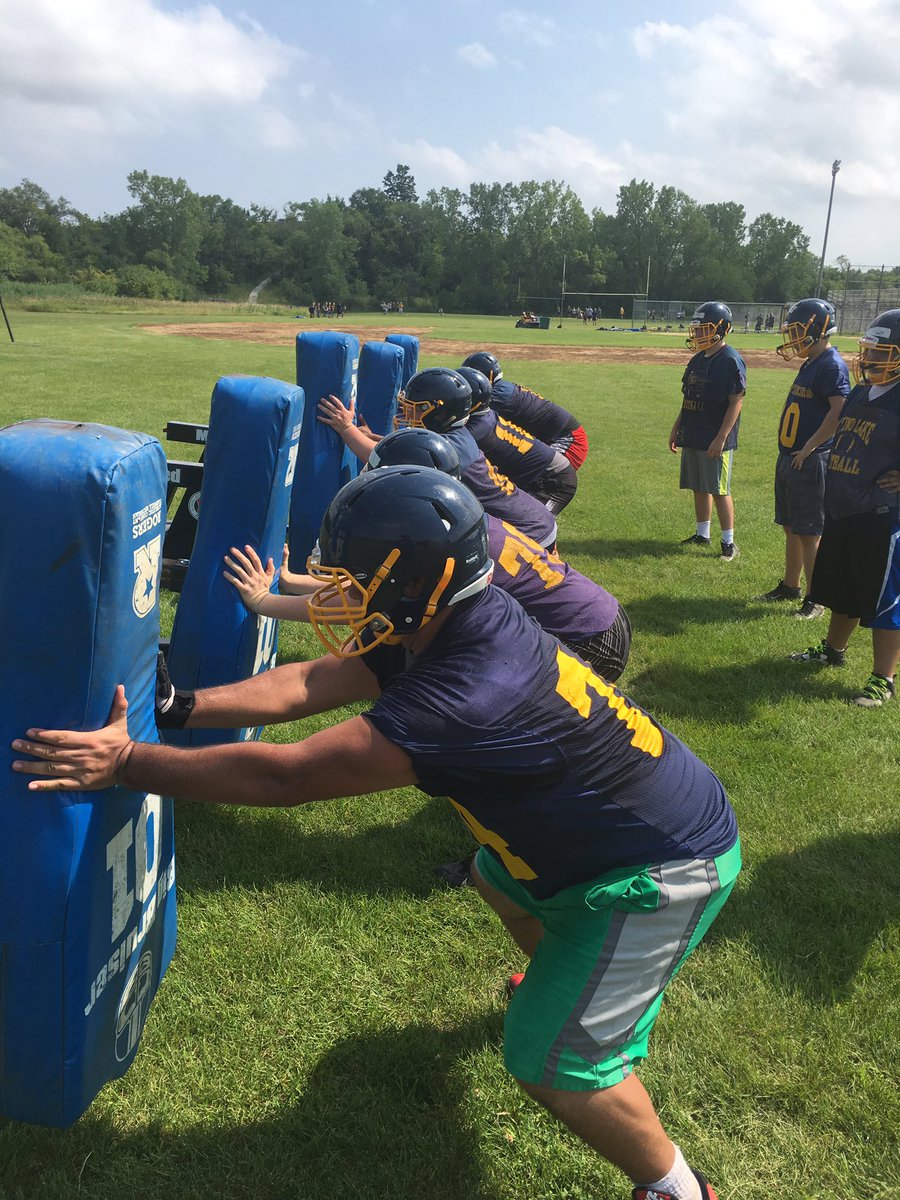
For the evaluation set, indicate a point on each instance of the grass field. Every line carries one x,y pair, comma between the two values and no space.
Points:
330,1026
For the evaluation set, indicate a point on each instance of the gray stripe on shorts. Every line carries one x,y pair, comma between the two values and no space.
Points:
644,950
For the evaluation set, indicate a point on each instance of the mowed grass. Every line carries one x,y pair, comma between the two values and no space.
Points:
331,1024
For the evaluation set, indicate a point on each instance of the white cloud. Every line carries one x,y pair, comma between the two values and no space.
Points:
552,153
760,101
440,163
105,67
528,26
476,55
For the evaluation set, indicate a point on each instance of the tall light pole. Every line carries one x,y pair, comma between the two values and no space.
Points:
835,167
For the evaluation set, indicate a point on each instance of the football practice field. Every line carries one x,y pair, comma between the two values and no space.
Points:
330,1027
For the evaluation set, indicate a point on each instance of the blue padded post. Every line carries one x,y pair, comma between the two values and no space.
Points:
87,900
380,376
251,458
327,364
410,347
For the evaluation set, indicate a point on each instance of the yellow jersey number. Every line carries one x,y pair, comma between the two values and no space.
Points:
518,549
577,681
790,423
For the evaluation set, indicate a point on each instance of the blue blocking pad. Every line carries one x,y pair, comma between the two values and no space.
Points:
87,899
250,465
410,347
327,365
380,377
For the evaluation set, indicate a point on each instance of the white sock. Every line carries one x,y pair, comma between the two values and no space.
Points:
727,536
680,1183
703,528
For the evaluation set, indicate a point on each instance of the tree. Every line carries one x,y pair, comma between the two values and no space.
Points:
779,259
165,228
400,186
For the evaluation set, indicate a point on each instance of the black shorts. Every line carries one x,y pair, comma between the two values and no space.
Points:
800,495
557,485
607,652
853,565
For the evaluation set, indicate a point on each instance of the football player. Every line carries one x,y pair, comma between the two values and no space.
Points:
567,604
607,847
530,463
540,417
440,399
857,568
808,421
706,429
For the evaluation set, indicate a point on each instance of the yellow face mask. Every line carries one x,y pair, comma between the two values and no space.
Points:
701,337
797,341
877,363
411,414
342,600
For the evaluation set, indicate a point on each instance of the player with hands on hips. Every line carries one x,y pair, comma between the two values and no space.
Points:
805,431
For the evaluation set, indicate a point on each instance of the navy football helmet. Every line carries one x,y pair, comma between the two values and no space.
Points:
480,385
804,324
415,447
436,398
878,360
710,323
485,362
397,546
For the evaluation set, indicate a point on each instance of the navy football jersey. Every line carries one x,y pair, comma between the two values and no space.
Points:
866,444
522,458
562,600
499,495
530,410
557,773
706,385
807,404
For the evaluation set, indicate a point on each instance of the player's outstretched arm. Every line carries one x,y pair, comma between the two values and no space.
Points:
252,581
352,758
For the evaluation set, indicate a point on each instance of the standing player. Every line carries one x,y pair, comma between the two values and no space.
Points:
608,848
713,386
857,568
542,418
807,425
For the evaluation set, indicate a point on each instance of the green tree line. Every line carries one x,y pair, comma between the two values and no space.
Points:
481,250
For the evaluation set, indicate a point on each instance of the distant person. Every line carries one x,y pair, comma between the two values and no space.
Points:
621,314
808,421
706,429
757,328
857,568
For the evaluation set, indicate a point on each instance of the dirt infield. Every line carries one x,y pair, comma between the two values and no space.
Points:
278,333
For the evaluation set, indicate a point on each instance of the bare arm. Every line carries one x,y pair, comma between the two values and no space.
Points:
826,430
349,759
252,581
285,693
358,438
732,412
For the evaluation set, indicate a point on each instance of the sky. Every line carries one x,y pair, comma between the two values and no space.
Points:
286,101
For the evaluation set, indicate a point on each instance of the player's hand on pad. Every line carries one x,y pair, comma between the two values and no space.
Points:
246,572
333,413
71,761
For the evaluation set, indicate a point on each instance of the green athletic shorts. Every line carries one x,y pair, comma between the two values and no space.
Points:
702,474
581,1018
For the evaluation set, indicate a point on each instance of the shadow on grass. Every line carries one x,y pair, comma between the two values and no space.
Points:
221,847
812,915
731,693
606,548
378,1118
670,615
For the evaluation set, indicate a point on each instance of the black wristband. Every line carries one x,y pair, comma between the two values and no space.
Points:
177,711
